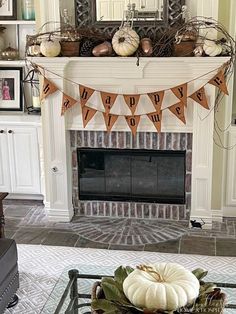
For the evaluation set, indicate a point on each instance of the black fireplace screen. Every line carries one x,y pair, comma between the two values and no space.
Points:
132,175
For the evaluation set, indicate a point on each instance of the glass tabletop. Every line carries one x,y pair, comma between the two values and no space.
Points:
85,285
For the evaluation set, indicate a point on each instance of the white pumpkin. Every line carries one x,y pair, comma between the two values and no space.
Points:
211,48
163,286
125,41
50,48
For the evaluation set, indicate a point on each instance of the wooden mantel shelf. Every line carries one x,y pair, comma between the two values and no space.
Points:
193,60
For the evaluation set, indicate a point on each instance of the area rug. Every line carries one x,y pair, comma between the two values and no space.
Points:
41,266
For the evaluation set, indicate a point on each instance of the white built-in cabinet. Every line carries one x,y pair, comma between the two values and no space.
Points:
19,159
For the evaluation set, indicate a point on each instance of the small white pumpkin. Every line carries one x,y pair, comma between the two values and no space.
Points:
50,48
163,286
211,48
125,41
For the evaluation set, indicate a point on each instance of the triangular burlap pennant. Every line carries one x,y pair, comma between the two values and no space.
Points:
48,88
108,100
200,97
178,111
219,81
133,122
110,120
85,94
88,114
67,102
181,92
156,118
157,99
132,102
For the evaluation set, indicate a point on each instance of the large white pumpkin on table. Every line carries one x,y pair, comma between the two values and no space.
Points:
163,286
125,41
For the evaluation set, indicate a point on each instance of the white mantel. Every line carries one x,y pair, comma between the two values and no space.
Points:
123,76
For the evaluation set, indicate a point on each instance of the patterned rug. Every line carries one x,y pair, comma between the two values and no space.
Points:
41,266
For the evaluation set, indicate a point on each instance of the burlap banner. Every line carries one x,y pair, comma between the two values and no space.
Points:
85,94
133,122
181,92
110,120
108,100
48,88
200,97
132,102
87,114
178,111
157,99
219,81
67,103
156,118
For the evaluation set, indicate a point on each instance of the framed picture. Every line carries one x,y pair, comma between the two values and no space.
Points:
8,10
11,96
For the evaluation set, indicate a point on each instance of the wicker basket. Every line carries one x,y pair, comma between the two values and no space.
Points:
97,293
70,48
184,49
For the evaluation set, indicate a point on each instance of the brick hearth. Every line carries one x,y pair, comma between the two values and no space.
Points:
125,140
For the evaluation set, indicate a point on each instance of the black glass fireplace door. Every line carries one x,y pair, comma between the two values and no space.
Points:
132,175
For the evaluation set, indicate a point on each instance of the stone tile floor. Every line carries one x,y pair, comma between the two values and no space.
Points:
27,223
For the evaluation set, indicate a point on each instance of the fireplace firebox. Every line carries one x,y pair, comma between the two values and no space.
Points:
150,176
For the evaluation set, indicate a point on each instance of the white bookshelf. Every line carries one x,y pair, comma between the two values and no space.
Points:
17,22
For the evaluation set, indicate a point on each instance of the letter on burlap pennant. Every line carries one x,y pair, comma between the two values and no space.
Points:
48,88
108,100
67,102
88,114
133,122
85,94
178,111
200,97
157,99
219,81
110,120
156,118
181,92
132,102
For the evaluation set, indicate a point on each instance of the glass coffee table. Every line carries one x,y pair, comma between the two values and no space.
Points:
72,293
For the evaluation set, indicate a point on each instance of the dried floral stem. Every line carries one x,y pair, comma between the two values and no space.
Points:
151,271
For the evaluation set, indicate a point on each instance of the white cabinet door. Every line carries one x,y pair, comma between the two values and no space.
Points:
5,179
24,160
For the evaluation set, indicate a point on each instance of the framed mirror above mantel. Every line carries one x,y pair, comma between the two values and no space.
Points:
150,16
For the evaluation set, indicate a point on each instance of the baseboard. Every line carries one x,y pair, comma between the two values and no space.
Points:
58,215
217,215
229,212
36,197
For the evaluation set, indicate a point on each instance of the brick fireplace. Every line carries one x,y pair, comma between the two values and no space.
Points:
64,134
125,140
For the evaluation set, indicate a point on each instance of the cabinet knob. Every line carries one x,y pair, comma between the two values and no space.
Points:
2,131
10,131
54,169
